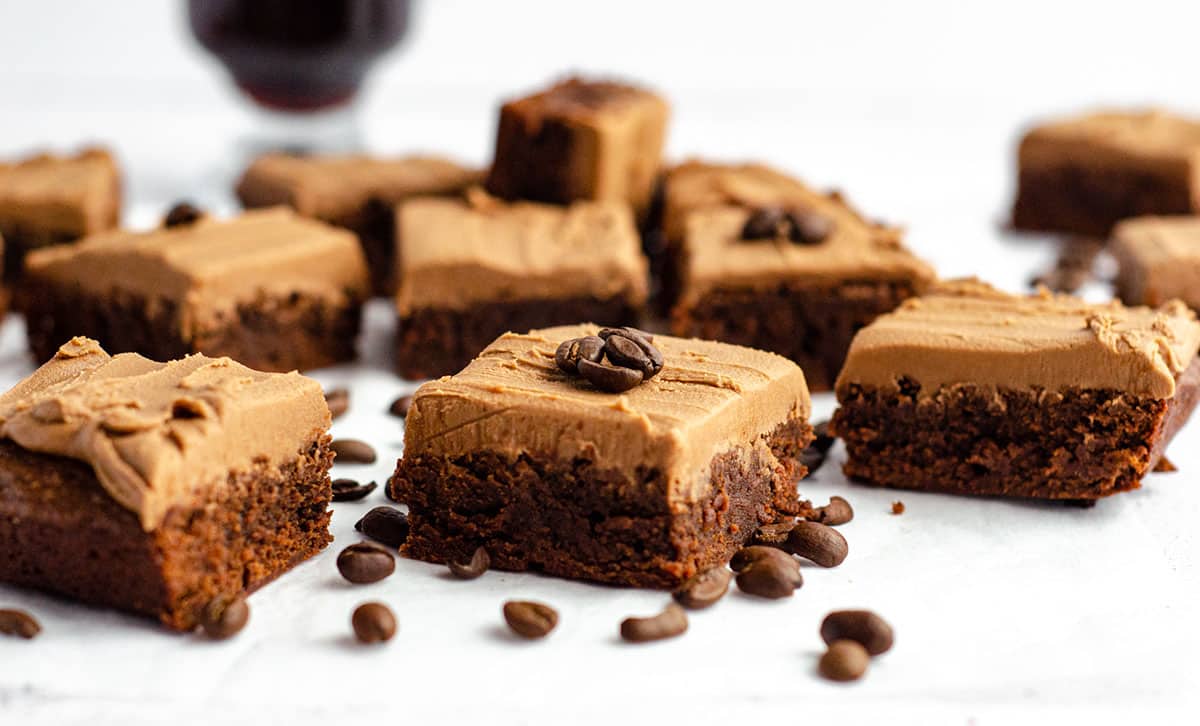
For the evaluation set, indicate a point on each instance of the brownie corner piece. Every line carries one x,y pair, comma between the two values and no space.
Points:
1158,260
641,488
972,391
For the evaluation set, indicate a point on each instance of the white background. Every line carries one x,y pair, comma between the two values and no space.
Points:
1005,612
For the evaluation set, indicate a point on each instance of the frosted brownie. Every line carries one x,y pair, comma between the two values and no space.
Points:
357,192
973,391
645,487
474,267
580,139
268,288
1084,174
1159,259
50,199
742,269
157,488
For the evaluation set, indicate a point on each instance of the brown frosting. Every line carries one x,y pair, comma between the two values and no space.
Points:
454,253
709,398
210,266
158,435
69,196
1159,259
966,332
1153,140
335,188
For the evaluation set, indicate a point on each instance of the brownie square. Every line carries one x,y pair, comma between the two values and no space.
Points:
274,290
356,192
48,199
473,268
1083,175
804,300
158,487
972,391
644,488
579,140
1159,260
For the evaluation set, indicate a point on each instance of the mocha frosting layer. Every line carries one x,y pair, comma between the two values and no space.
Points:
1154,140
160,434
1159,259
966,332
709,398
68,195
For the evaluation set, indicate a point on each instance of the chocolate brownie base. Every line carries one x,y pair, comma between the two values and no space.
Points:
437,342
20,241
61,532
1089,201
579,520
298,332
812,326
1076,445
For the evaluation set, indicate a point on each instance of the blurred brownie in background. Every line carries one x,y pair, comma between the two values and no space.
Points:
1082,175
1159,260
268,288
578,140
49,199
475,267
356,192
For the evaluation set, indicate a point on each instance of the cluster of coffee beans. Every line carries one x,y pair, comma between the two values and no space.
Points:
614,360
801,226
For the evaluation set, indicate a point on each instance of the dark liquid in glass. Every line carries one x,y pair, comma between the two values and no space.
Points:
298,55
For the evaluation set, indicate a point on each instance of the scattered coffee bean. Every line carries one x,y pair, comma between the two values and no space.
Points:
353,451
365,562
338,401
478,564
385,524
861,626
609,378
772,535
19,623
812,458
632,348
704,588
530,619
763,223
897,507
182,213
770,577
822,439
838,511
373,622
845,660
348,490
225,617
627,331
747,556
817,542
400,406
572,351
670,623
808,227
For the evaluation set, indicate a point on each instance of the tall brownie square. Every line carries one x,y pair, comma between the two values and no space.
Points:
580,139
274,290
759,259
973,391
49,199
159,488
645,487
1159,259
473,268
1083,175
354,191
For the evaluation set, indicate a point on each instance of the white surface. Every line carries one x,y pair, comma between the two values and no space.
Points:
1004,612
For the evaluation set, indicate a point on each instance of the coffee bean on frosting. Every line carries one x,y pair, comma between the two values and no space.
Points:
349,490
763,223
634,350
225,617
568,355
808,227
365,562
472,568
608,377
353,451
530,619
671,622
182,213
19,623
373,622
386,525
627,331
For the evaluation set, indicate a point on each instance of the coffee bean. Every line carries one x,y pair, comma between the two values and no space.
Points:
897,507
845,660
816,542
385,524
838,511
400,406
348,490
478,564
770,578
530,619
180,214
861,626
812,458
634,351
671,622
19,623
822,439
763,223
572,351
353,451
704,588
365,562
338,401
808,227
628,332
373,622
772,535
225,616
609,378
747,556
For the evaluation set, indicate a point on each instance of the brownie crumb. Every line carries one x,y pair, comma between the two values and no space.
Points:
1164,466
897,507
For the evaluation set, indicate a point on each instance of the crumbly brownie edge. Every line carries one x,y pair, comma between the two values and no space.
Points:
811,325
579,520
540,159
60,532
435,342
1080,444
20,241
